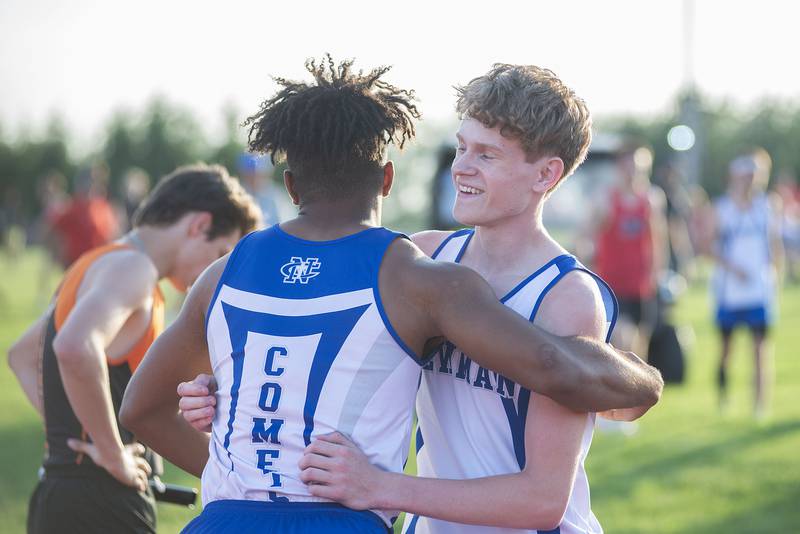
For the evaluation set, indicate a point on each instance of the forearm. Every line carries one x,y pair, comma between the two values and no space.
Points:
508,501
166,432
607,379
85,379
27,373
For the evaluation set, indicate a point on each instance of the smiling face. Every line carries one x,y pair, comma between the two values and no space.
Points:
493,178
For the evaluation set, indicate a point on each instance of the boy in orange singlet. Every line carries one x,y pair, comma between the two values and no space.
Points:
75,361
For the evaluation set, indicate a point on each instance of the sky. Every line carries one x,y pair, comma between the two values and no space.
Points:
84,59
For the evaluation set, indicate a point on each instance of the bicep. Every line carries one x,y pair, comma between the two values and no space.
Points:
105,305
98,316
574,307
553,443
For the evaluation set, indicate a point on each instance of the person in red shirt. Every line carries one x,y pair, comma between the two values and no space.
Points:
88,220
631,245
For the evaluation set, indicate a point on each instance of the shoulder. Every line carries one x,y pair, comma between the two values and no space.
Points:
574,306
429,240
416,274
129,275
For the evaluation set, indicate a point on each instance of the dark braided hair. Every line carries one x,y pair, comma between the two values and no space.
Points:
334,131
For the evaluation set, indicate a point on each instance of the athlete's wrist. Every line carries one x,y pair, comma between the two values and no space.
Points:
388,491
110,455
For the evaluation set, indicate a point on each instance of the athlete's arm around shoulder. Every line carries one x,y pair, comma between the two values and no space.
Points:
150,406
427,301
533,498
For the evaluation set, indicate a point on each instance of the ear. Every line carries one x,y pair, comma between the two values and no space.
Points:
288,182
388,178
200,223
550,171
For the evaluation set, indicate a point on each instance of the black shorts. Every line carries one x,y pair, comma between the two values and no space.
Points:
641,312
93,503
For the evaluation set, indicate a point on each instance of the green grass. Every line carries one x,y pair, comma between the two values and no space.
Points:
687,469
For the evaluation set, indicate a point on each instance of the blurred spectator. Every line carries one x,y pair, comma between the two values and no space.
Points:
789,193
52,195
12,234
135,186
88,221
254,173
701,219
747,250
678,212
631,245
444,192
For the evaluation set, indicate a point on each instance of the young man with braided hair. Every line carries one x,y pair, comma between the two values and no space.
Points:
322,323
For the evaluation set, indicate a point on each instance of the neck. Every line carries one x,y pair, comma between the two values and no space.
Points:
323,219
506,242
158,244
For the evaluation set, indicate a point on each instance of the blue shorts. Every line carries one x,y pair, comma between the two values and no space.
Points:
757,319
243,517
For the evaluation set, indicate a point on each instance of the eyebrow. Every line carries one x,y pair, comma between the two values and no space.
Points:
488,146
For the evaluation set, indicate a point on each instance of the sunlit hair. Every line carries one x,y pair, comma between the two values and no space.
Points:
753,159
203,188
334,131
533,105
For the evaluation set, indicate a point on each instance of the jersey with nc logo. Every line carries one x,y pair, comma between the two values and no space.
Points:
300,346
472,420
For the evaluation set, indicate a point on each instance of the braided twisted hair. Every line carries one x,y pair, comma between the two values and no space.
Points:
334,131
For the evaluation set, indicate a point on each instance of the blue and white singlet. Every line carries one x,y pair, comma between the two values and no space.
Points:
744,241
300,346
472,420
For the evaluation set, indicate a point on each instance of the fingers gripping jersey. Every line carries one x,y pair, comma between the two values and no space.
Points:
300,346
472,420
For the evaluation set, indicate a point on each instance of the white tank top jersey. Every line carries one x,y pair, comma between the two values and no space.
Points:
300,346
472,420
744,241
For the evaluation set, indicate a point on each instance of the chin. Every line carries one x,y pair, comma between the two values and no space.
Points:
466,217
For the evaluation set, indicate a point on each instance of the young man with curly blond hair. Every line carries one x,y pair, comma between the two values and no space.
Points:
491,453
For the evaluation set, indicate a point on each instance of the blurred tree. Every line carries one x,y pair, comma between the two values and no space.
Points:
170,137
772,124
233,144
121,148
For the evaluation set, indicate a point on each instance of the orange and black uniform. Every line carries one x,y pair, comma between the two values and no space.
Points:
76,495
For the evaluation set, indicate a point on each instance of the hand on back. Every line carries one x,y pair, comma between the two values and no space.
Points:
198,403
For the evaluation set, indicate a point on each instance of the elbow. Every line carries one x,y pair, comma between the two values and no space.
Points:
67,351
547,516
15,358
127,416
131,415
652,393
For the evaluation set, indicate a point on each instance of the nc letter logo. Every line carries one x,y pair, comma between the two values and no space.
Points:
300,270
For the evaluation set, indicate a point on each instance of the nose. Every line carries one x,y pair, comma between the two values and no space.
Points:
462,165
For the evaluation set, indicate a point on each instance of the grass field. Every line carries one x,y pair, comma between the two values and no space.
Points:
686,470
